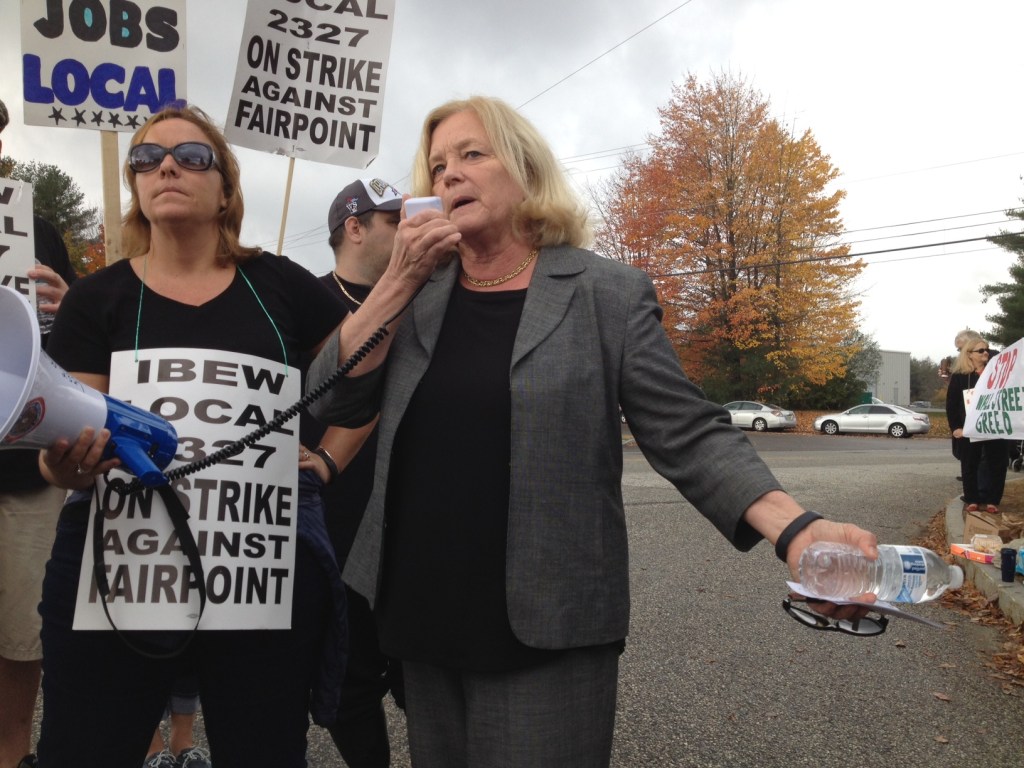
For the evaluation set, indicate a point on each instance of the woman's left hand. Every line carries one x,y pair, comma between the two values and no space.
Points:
310,460
843,533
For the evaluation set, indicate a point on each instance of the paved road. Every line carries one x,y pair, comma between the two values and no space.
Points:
715,674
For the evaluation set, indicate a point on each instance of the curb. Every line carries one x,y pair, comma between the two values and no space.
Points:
986,578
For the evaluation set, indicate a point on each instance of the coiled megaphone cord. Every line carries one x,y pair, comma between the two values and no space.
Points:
310,397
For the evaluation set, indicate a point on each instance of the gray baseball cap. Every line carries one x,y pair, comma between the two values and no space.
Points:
362,196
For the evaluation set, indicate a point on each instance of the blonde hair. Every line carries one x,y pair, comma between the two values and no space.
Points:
135,227
550,213
961,338
963,363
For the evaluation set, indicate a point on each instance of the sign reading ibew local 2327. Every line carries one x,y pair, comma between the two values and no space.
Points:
101,64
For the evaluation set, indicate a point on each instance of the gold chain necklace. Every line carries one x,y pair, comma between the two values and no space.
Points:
348,295
500,280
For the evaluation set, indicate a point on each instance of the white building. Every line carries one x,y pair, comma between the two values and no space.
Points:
892,384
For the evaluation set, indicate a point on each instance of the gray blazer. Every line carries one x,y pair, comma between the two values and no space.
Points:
590,339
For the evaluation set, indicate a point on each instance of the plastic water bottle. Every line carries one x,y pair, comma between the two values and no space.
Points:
901,574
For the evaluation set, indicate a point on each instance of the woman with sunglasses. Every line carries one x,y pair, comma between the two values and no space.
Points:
187,284
983,463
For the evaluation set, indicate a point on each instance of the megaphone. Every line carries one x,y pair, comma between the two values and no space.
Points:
41,403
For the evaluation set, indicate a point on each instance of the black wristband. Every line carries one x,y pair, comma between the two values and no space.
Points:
790,532
332,467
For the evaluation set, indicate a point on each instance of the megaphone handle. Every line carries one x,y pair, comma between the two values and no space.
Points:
138,462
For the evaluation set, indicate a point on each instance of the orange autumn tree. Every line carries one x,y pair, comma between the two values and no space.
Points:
732,217
89,256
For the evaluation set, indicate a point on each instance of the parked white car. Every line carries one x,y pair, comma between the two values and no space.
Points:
875,419
759,416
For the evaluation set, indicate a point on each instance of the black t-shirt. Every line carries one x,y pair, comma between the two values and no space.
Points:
101,315
19,469
443,597
283,315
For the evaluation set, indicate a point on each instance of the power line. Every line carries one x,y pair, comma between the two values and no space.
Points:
617,45
812,259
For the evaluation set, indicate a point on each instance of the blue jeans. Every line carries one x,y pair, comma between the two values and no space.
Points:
102,700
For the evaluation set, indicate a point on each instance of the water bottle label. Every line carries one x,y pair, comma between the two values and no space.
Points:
915,577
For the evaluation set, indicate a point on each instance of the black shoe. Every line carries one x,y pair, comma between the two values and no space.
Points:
28,761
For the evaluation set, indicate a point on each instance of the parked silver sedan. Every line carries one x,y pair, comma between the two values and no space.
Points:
759,416
876,419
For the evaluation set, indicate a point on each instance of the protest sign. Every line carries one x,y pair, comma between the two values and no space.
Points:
17,238
996,407
101,64
242,512
310,79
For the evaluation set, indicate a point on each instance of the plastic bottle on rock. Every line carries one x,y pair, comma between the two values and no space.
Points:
901,574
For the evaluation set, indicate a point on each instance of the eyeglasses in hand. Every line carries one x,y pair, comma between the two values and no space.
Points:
865,627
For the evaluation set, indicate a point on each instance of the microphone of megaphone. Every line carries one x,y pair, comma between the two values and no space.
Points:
41,403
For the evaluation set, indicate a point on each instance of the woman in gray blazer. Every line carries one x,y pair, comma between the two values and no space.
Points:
494,547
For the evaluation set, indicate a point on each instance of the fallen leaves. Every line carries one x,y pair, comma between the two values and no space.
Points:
1008,662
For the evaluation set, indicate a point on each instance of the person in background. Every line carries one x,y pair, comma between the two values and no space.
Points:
493,550
29,508
962,337
188,283
983,463
362,222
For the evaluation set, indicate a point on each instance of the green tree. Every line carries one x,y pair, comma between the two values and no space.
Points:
735,219
842,392
1008,323
924,378
58,199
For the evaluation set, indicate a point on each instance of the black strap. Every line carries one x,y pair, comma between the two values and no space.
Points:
790,532
179,517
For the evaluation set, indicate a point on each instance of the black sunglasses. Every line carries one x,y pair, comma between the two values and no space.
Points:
982,351
191,155
865,627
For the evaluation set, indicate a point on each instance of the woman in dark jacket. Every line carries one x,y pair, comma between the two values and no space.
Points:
982,463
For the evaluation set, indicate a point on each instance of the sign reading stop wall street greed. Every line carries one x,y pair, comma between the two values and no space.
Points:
101,64
310,79
996,410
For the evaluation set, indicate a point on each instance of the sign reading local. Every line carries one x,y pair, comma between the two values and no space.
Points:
996,409
310,79
101,64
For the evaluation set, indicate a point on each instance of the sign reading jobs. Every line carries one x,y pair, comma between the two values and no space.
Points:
17,238
101,64
996,410
310,79
242,511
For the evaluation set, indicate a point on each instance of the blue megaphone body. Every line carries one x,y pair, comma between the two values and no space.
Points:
41,403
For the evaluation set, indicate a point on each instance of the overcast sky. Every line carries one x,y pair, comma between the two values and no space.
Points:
915,101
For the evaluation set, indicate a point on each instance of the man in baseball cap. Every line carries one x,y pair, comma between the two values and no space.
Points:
360,197
363,221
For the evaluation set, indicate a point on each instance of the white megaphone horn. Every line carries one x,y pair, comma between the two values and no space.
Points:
41,403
